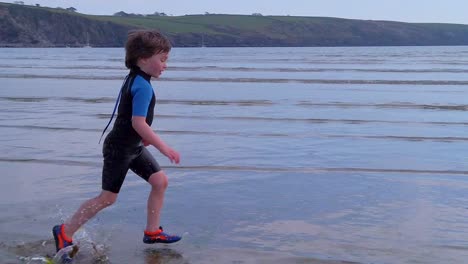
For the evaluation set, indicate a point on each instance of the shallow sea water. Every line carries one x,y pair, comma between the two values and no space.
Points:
289,155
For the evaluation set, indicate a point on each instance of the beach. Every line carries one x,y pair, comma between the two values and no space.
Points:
288,155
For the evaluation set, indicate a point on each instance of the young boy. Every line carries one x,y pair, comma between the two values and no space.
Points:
124,147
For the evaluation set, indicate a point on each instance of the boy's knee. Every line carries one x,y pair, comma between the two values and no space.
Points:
159,180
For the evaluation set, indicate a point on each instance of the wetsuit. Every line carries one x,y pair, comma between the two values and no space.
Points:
123,148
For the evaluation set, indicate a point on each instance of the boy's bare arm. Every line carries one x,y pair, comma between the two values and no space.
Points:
148,136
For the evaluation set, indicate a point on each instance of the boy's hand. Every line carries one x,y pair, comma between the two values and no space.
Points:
145,143
171,154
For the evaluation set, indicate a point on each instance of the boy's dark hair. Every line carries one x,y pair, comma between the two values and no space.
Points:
144,44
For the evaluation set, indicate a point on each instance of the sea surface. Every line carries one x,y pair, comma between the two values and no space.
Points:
288,155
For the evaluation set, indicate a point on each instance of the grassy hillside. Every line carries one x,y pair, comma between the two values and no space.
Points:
29,25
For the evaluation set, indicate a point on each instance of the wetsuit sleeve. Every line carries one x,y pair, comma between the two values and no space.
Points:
142,94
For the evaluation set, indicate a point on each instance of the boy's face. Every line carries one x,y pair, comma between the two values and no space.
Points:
155,64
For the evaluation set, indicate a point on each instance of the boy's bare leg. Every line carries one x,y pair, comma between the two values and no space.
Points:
158,182
88,210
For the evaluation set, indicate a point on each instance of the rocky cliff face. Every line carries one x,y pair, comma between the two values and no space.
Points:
20,26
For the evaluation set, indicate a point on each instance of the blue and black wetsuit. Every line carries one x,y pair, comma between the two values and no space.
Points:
123,148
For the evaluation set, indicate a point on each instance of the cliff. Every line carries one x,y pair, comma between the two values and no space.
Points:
27,26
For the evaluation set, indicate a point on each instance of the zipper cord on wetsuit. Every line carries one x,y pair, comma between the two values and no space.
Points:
115,108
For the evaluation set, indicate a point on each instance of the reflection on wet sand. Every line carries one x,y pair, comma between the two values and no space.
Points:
163,255
250,256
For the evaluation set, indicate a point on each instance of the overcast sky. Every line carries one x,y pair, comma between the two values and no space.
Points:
440,11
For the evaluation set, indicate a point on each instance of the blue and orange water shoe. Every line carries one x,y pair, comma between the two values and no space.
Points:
159,237
61,240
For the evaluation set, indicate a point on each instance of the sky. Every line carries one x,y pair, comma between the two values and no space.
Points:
423,11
